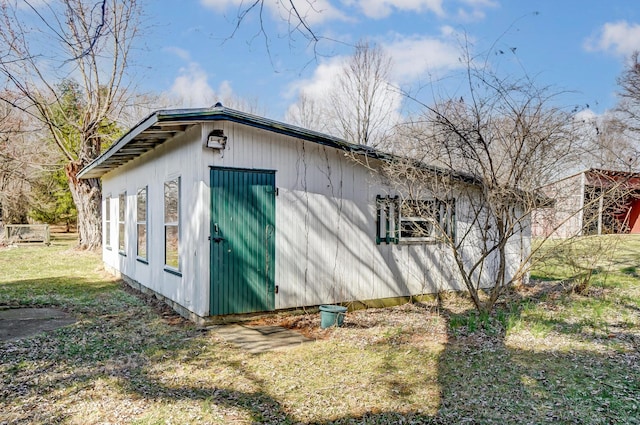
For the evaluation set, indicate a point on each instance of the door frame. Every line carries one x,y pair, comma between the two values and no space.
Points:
269,241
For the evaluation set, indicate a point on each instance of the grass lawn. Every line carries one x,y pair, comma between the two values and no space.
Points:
545,356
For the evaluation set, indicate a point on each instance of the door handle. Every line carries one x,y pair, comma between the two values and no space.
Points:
217,238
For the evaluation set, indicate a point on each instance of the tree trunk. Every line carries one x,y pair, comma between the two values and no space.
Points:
87,195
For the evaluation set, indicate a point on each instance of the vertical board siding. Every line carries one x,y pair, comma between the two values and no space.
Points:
242,208
325,249
180,157
564,218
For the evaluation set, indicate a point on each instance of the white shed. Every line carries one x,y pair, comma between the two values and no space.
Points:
222,212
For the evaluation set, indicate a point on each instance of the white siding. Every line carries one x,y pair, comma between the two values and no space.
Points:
564,219
325,222
178,158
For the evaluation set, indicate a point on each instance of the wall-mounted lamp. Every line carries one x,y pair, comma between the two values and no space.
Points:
216,139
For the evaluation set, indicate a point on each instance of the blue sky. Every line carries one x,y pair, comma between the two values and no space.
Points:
578,47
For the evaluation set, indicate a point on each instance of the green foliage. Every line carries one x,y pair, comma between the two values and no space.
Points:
71,128
52,202
67,116
496,322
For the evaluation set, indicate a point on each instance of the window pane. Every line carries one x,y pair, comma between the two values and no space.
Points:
121,236
171,198
142,240
171,246
121,206
416,228
418,218
107,224
142,204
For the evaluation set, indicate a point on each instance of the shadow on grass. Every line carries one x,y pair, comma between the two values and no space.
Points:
482,379
500,384
113,338
483,376
258,405
72,294
567,376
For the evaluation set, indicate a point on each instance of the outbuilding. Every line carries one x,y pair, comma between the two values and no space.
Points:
594,201
221,212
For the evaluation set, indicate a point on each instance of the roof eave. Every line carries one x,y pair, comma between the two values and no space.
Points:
99,167
92,169
105,162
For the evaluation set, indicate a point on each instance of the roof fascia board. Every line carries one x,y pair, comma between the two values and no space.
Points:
260,123
124,140
220,113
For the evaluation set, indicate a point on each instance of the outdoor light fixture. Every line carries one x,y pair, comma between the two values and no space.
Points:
216,139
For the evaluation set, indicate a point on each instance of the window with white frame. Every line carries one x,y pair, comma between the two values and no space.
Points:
122,212
414,221
107,222
172,223
387,223
141,224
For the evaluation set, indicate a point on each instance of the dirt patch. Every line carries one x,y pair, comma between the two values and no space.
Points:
414,316
17,323
260,339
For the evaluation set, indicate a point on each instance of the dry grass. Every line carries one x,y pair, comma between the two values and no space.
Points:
546,355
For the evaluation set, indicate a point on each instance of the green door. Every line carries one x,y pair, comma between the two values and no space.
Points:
242,241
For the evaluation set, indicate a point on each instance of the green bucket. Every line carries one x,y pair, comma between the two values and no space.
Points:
331,315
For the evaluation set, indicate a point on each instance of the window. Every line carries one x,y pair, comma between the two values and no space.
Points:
424,220
107,222
141,223
172,223
387,223
122,208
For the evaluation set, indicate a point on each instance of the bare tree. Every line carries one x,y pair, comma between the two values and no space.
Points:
359,105
629,95
606,143
297,14
14,180
483,157
308,112
24,159
81,41
362,102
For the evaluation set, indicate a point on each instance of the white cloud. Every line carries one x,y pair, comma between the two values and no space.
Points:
177,51
620,38
312,12
379,9
225,91
586,116
475,9
319,94
416,56
413,58
191,88
471,16
322,80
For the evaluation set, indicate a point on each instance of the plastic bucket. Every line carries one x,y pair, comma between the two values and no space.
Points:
331,315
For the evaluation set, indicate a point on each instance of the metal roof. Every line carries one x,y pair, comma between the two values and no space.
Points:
164,125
